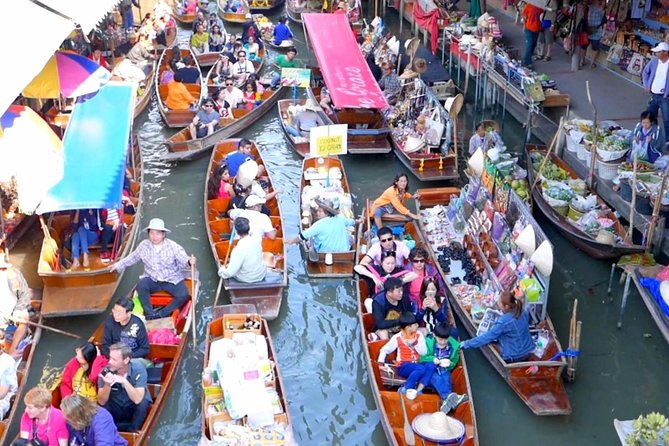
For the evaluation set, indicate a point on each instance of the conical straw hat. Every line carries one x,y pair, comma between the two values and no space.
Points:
438,427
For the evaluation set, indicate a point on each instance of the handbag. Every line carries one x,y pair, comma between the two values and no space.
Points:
583,39
434,128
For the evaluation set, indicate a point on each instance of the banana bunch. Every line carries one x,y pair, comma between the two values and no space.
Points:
647,430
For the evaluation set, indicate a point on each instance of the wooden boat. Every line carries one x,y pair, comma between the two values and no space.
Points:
233,316
265,296
144,96
166,357
343,262
14,414
384,384
294,12
579,238
299,144
660,318
87,291
280,48
184,19
266,7
182,147
207,59
426,165
176,118
367,128
543,392
238,17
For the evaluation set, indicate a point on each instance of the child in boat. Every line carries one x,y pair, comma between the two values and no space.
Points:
442,354
378,274
391,202
410,345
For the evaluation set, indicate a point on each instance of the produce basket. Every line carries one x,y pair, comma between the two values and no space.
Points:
644,170
583,152
574,213
574,138
611,155
607,170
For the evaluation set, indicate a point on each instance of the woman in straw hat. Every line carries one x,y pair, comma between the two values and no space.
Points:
511,331
164,264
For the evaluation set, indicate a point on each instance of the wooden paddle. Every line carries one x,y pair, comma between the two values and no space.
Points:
52,257
545,160
409,436
630,231
193,297
593,155
227,255
45,327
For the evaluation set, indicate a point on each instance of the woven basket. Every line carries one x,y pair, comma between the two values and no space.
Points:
608,170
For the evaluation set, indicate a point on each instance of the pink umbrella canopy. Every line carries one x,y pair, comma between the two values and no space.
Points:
30,152
67,74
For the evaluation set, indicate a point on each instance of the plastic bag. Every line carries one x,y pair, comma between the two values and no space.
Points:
584,204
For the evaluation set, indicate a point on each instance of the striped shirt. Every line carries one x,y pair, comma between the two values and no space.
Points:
405,352
166,264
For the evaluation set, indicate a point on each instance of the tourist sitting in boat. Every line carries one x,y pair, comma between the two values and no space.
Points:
15,296
216,39
305,120
511,331
80,376
221,105
283,61
164,263
410,345
178,96
189,7
233,6
442,354
222,69
252,49
222,186
41,421
378,274
386,243
205,121
240,156
330,232
215,20
88,424
239,199
390,205
431,304
250,95
242,68
249,29
386,308
113,230
140,54
200,20
647,139
261,224
124,326
326,104
86,228
167,74
96,56
8,380
189,74
230,44
199,41
418,264
390,82
122,389
283,36
260,88
247,261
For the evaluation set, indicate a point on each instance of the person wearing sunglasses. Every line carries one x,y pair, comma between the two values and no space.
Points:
205,121
242,68
378,274
231,94
418,265
385,244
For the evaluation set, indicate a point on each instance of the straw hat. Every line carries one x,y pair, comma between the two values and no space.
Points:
408,74
157,224
454,104
327,206
543,258
438,427
420,65
476,162
311,105
526,240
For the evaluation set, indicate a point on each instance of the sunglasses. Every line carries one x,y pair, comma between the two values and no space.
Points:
228,85
384,240
418,261
208,105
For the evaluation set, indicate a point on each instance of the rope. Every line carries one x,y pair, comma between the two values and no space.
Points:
569,353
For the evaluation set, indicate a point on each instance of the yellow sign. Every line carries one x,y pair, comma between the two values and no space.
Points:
328,140
328,145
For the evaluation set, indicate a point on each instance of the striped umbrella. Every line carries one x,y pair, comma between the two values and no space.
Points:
67,74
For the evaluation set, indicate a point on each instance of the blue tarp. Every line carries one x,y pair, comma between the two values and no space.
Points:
95,147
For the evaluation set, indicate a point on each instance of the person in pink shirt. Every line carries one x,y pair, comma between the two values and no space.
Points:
41,420
386,244
418,265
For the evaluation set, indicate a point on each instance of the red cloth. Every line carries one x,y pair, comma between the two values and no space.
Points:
532,16
428,21
71,368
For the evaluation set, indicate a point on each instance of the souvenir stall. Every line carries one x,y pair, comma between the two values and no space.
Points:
243,402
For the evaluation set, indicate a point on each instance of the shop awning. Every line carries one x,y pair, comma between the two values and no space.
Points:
95,147
29,55
345,71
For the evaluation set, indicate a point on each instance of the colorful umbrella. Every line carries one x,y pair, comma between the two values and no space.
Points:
31,152
67,74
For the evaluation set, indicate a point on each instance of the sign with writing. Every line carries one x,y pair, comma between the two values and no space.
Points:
296,76
488,176
328,140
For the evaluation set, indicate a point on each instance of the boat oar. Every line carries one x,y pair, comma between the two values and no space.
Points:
369,224
630,231
409,436
193,297
45,327
227,254
545,160
593,155
656,210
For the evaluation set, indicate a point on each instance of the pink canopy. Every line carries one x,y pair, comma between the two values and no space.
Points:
345,71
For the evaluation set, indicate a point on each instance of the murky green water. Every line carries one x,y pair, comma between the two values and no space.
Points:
620,372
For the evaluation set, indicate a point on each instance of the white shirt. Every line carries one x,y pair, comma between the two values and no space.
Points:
7,378
246,264
247,68
260,224
233,97
660,79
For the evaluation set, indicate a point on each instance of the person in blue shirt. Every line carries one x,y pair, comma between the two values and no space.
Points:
282,32
511,331
235,159
329,233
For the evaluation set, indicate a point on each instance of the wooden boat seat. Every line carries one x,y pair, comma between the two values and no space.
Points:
217,206
194,89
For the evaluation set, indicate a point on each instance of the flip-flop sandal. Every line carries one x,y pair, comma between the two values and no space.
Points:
547,59
371,337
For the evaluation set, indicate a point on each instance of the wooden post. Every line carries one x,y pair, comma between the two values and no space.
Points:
193,299
656,210
630,231
593,155
572,342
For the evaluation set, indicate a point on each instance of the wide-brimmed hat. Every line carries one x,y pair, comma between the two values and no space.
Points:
662,46
411,46
438,427
157,224
247,172
253,200
327,206
420,65
4,263
310,104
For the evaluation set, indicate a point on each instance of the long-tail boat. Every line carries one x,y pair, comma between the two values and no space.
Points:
265,7
228,321
79,291
384,381
165,357
536,380
299,144
177,118
266,296
294,12
238,17
598,249
318,169
30,339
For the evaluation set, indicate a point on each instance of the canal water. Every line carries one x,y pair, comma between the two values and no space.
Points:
621,373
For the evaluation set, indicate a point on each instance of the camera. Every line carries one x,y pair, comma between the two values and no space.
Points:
105,371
